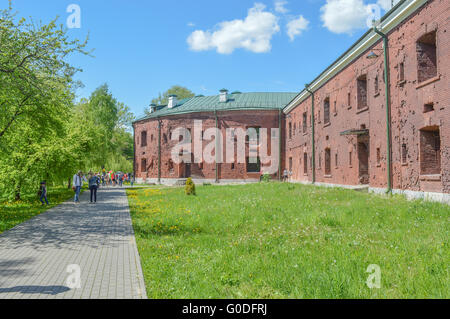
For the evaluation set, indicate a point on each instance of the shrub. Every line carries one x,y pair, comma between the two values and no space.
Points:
190,187
266,177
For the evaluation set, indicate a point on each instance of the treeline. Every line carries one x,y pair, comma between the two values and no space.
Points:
44,134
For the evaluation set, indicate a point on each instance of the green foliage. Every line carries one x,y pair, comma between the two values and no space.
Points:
43,134
190,187
266,241
180,91
266,177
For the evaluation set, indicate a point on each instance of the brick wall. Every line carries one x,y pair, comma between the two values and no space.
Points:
409,94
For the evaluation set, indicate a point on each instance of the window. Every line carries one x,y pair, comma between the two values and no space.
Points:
232,165
143,165
401,72
253,167
327,161
376,85
362,92
290,130
305,163
349,100
290,164
305,124
326,111
151,138
426,57
143,139
430,151
378,156
165,138
171,168
254,138
295,129
350,159
404,154
428,107
336,163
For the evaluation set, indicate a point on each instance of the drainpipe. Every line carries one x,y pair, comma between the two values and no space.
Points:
388,105
159,151
313,133
279,144
217,146
134,154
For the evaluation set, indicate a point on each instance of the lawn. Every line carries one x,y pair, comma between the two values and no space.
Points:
275,240
14,213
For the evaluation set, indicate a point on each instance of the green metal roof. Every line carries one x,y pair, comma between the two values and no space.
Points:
242,101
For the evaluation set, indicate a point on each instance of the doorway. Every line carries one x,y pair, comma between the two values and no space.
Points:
363,159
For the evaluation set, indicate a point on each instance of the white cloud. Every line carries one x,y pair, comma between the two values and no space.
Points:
386,4
346,16
191,24
280,6
253,34
296,26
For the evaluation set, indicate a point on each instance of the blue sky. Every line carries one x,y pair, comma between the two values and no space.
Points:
144,47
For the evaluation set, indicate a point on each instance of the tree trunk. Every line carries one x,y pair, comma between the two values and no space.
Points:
70,183
17,198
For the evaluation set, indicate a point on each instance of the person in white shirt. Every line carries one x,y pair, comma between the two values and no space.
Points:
77,184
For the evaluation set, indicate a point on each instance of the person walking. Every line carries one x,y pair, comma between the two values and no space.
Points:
43,193
93,186
77,183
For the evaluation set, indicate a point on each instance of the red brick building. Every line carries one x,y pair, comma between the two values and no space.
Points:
350,145
350,116
154,139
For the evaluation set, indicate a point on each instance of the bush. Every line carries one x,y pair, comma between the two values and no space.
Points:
266,177
190,187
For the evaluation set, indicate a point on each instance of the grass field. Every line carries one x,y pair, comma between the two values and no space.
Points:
14,213
288,241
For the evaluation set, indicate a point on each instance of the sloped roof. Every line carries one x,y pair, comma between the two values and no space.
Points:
238,101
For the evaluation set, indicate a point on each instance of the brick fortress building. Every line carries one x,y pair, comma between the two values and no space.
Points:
378,117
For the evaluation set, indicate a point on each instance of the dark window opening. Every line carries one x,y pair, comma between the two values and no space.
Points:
253,167
376,85
430,151
327,161
305,124
232,165
143,165
165,138
426,57
362,92
305,163
404,154
143,139
401,72
428,107
326,111
378,156
349,100
290,164
336,162
350,159
290,130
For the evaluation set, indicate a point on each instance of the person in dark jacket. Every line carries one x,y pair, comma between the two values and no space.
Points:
93,186
43,193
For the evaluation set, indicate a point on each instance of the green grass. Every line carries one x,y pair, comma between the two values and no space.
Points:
275,240
14,213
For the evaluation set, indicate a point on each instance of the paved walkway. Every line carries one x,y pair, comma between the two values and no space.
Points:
34,256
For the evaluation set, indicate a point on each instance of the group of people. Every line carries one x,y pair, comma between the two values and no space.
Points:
96,180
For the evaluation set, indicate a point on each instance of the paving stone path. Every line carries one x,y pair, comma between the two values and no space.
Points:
35,256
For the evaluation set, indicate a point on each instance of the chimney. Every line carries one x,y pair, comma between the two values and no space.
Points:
223,98
152,108
172,101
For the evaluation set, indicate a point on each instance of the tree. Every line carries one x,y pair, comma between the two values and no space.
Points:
180,91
